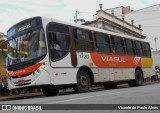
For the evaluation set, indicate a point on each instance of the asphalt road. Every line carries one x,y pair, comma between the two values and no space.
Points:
148,94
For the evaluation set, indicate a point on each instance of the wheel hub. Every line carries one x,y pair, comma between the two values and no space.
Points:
83,81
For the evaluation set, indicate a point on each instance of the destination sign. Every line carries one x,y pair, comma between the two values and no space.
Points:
24,25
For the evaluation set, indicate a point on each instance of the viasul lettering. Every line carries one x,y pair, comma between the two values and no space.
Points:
112,59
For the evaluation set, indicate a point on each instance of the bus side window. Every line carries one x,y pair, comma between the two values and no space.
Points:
42,44
102,43
51,41
118,45
130,47
146,49
59,40
83,40
138,48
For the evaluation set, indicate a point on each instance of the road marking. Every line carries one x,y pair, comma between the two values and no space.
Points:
83,98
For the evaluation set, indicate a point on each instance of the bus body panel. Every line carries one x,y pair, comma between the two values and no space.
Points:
147,72
147,62
64,76
103,75
65,62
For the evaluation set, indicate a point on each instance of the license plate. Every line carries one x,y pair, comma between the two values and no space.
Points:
21,82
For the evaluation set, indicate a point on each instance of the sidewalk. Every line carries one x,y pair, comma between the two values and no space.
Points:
26,95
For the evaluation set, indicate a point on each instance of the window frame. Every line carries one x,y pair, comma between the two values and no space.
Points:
113,37
77,41
129,47
144,50
107,36
49,41
140,49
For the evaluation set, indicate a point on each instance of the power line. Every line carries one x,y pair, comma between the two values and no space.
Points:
86,12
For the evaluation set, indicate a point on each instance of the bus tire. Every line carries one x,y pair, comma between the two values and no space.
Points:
50,91
138,81
83,82
110,85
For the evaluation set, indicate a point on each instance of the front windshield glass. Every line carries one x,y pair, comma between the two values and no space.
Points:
26,47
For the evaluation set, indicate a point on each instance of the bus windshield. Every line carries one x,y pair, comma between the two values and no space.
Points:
26,46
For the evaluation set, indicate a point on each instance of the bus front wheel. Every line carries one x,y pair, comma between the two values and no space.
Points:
138,81
50,91
83,82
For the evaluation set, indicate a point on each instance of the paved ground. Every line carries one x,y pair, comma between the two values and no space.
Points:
148,94
29,95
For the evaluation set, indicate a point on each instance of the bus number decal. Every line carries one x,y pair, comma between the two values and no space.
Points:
83,56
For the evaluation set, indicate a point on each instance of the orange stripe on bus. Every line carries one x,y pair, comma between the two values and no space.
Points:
24,71
116,61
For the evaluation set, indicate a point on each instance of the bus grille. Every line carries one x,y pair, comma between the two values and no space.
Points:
26,82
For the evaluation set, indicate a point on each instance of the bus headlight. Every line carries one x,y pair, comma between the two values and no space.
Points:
42,67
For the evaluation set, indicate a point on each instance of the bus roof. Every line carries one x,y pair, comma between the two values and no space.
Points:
47,20
90,28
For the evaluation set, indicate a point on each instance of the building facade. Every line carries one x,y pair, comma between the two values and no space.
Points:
119,11
104,20
148,19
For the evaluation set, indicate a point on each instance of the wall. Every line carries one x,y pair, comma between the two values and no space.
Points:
149,18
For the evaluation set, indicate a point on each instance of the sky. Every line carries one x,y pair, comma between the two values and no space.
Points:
13,11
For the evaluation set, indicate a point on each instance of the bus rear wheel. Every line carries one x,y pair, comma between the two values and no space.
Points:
138,81
83,82
50,91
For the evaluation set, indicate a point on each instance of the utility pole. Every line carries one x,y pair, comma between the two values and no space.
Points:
75,16
96,5
155,39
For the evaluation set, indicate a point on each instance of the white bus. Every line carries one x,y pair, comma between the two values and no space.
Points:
53,54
